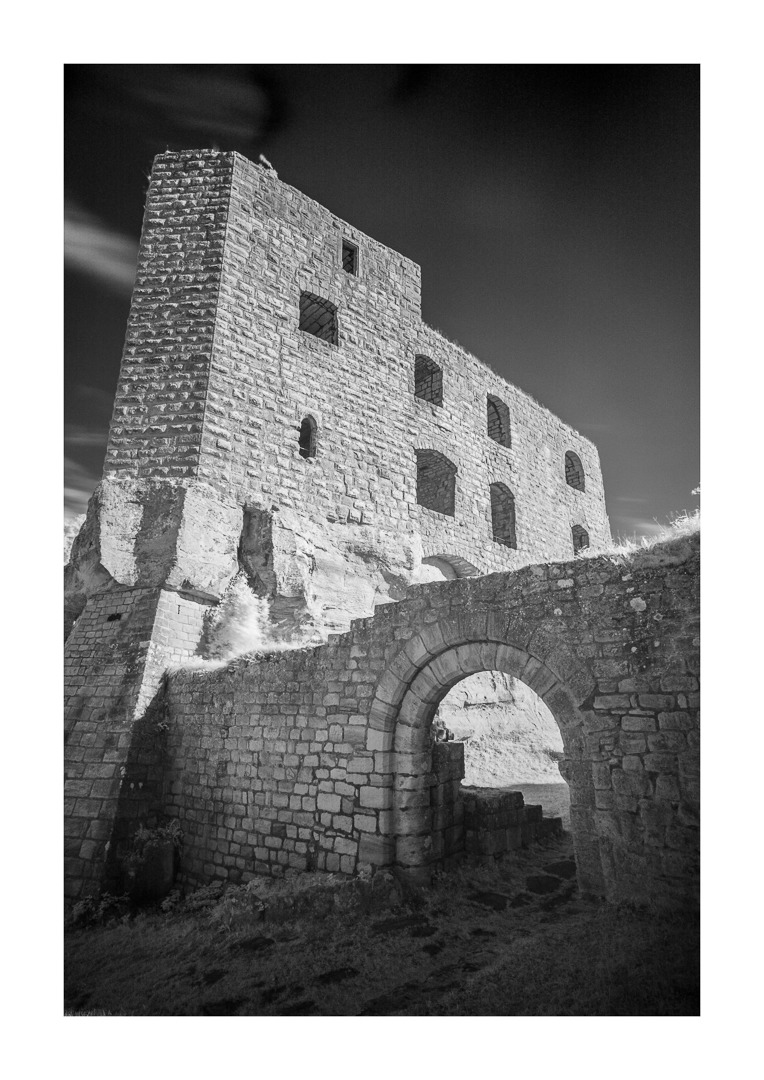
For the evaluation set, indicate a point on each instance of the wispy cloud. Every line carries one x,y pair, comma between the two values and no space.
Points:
79,435
94,248
79,484
213,98
627,526
94,397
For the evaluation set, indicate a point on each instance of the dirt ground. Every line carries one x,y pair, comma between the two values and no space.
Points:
513,938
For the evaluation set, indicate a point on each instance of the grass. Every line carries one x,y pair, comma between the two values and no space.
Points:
480,942
685,524
593,963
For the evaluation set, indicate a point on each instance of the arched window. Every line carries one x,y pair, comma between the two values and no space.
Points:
580,539
428,380
503,515
498,421
308,430
574,471
435,482
318,317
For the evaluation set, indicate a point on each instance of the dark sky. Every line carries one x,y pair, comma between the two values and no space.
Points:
554,211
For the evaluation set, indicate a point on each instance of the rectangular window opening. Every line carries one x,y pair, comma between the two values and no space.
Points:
349,258
318,317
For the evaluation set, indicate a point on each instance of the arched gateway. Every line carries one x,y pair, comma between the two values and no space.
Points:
321,758
408,695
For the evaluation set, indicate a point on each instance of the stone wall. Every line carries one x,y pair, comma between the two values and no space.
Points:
116,657
322,758
159,409
444,798
266,375
498,821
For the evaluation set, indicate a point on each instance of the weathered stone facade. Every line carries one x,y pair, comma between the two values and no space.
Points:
321,757
217,378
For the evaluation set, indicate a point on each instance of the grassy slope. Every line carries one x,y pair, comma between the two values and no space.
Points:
480,942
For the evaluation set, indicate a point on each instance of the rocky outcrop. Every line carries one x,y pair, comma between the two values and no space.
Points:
509,734
315,575
71,527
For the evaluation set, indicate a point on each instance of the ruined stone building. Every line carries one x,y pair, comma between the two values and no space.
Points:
286,425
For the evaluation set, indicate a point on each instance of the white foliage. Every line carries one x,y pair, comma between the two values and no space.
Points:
240,623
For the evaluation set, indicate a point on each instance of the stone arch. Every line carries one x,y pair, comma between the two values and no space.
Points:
408,694
451,566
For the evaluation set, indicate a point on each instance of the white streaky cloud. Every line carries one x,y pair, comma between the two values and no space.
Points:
79,435
94,397
79,485
225,103
637,526
94,248
75,501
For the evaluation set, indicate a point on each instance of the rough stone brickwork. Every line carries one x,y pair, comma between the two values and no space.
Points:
497,821
266,375
445,800
217,378
157,421
115,660
323,757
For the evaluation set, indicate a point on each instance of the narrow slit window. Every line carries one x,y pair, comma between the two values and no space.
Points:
435,482
318,317
349,258
308,429
580,539
574,471
498,421
503,522
428,380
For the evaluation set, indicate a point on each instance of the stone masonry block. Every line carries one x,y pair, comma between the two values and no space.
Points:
378,798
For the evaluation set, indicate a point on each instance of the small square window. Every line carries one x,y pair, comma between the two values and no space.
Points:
349,258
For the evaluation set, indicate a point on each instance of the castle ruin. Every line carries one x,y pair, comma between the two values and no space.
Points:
286,425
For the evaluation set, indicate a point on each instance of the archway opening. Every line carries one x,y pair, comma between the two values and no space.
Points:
444,568
426,792
511,740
